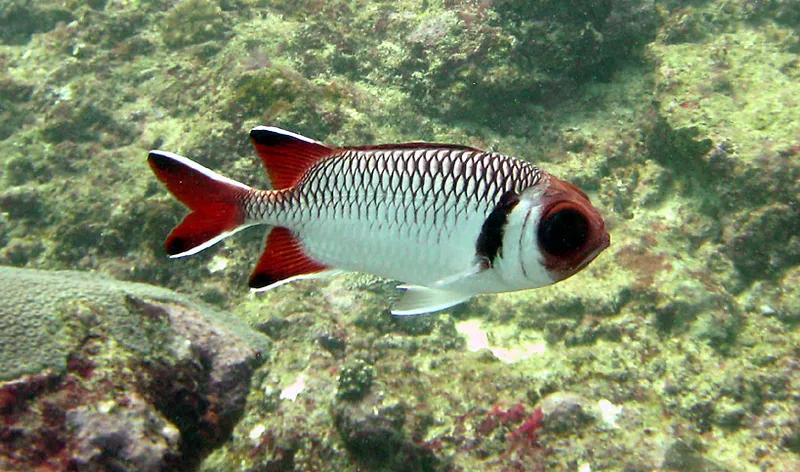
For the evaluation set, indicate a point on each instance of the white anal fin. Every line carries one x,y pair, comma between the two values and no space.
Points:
418,300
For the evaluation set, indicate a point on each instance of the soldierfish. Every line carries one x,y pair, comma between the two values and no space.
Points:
450,221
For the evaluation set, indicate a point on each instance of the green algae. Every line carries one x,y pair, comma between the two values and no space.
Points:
192,22
283,97
354,380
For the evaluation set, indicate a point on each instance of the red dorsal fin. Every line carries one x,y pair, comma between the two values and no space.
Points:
283,259
286,155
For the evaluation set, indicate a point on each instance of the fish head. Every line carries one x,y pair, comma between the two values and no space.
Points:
557,232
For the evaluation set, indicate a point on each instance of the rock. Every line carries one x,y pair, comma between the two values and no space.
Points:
21,204
376,440
193,22
24,19
109,437
680,456
355,380
566,412
97,374
789,302
765,241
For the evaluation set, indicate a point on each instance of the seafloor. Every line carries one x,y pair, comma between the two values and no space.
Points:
677,349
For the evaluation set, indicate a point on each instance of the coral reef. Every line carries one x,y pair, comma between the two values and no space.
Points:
105,375
676,349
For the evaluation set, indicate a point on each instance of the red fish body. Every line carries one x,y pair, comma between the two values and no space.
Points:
450,221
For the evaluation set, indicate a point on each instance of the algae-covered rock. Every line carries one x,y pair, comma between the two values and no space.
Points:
355,380
375,439
766,241
21,19
98,373
677,345
681,456
566,412
193,21
727,126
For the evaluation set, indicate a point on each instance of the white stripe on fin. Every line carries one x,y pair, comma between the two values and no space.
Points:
199,168
315,275
212,241
275,130
418,300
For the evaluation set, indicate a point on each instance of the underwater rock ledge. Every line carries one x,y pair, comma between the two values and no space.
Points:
97,374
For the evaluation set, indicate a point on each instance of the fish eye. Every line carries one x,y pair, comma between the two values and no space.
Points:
563,231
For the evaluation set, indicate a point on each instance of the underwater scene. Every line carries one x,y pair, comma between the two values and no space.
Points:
594,267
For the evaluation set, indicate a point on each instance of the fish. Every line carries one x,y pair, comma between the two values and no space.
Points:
448,221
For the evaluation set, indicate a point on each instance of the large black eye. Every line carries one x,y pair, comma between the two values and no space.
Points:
563,231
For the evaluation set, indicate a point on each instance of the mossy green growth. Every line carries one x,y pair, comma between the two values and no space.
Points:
477,62
18,170
12,95
192,22
23,18
719,328
733,94
677,147
737,91
281,96
355,380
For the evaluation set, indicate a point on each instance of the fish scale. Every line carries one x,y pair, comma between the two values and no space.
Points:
398,201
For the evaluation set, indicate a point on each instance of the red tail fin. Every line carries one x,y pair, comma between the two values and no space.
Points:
215,201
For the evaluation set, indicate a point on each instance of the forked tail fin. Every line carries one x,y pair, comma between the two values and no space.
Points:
217,203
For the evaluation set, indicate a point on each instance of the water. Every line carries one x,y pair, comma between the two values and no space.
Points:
675,349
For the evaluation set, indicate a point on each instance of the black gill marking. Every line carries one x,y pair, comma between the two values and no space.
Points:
490,241
521,236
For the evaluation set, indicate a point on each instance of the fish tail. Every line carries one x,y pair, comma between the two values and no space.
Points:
216,203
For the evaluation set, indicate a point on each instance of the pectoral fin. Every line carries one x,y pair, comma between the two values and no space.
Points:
418,300
480,265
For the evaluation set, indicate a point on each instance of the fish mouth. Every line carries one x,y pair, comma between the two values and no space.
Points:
605,242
